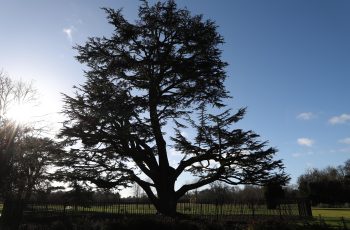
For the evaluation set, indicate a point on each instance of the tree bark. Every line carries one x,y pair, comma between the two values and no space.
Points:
12,213
166,203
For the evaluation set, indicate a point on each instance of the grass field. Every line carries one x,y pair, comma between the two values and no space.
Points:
332,216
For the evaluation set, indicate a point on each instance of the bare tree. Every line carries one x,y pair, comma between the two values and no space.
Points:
14,93
137,190
24,154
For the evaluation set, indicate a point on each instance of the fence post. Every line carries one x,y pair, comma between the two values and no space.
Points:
304,208
216,209
308,208
64,209
344,223
279,209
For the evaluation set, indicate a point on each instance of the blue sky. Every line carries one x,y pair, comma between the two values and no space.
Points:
289,63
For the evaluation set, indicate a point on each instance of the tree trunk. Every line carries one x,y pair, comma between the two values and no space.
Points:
167,199
166,205
11,214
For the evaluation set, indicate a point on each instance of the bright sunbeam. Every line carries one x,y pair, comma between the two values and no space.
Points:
22,113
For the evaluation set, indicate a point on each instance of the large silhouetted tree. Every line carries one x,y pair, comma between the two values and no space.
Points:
163,70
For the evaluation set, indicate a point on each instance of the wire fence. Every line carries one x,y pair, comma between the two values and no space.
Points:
200,209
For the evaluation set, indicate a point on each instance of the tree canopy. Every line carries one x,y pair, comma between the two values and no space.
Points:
164,70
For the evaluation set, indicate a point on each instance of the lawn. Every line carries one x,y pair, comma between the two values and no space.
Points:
332,216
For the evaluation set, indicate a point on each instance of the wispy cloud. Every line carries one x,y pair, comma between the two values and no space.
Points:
341,119
306,116
345,141
344,150
303,154
305,142
296,154
68,31
340,150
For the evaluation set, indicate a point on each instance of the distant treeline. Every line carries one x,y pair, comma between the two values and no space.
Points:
330,185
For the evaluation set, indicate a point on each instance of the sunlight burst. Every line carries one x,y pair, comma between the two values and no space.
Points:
22,113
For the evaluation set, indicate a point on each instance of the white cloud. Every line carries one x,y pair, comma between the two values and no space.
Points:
345,141
69,32
305,141
305,116
341,119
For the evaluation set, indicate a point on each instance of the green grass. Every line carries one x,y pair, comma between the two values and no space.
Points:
332,216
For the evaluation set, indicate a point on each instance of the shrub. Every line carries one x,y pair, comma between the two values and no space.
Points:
279,225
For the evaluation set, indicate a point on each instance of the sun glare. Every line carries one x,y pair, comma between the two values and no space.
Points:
22,113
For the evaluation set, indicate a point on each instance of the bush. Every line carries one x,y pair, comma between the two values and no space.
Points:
136,223
279,225
126,223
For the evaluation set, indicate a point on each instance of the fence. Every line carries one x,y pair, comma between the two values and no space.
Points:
202,209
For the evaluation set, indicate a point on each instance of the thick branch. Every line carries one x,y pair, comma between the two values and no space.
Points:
186,163
161,144
185,188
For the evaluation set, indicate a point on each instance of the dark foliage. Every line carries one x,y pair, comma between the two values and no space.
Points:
78,194
131,223
330,185
273,193
223,193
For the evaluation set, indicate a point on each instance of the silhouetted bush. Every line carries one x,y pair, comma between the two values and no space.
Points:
129,223
282,225
137,223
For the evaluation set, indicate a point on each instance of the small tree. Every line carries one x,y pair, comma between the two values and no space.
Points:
164,69
137,190
273,193
24,155
11,132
